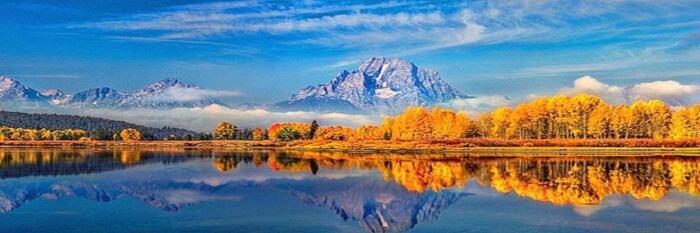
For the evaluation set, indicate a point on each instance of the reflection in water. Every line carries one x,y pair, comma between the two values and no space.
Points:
558,180
412,188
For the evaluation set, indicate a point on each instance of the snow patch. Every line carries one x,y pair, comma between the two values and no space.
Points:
381,73
385,93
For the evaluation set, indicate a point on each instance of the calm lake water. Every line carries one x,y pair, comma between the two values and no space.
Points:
55,190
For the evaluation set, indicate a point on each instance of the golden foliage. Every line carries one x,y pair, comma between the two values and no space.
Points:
298,127
336,133
581,116
20,134
224,131
369,132
130,135
259,134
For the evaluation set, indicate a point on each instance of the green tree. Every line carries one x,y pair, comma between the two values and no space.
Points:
312,130
288,134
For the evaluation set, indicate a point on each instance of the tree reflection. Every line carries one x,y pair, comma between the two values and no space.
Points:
557,180
560,180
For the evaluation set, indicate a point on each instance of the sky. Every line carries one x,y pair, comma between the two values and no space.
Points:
268,50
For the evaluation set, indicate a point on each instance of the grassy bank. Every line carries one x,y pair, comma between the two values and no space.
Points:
466,145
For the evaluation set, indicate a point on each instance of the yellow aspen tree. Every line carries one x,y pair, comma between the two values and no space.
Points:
641,119
659,119
599,122
694,121
622,121
130,135
580,109
680,125
483,125
500,122
558,115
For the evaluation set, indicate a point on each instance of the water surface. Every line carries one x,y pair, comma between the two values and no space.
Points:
86,190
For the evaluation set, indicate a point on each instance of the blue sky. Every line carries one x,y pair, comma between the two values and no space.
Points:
268,50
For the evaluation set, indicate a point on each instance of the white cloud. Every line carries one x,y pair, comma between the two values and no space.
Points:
669,90
203,119
590,85
479,104
672,92
178,94
672,202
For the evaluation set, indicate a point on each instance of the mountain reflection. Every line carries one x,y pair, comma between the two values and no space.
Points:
408,189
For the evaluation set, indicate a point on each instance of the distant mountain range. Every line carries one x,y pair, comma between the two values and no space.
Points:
162,94
379,85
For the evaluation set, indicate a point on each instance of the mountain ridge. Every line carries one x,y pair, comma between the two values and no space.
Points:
155,95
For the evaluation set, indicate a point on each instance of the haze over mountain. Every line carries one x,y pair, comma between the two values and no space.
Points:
379,85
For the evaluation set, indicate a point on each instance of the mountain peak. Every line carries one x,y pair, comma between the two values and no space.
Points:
380,84
376,64
7,82
162,85
13,90
170,81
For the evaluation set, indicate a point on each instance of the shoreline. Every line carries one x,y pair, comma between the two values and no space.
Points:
365,147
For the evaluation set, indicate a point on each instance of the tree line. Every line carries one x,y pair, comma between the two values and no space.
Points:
22,134
581,116
95,128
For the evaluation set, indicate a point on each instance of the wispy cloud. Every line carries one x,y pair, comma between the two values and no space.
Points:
48,76
429,24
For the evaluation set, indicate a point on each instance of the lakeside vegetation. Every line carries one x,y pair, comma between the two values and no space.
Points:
559,121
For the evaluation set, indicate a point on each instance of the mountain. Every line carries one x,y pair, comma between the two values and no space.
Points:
90,124
12,90
377,205
53,93
164,94
380,84
96,97
167,93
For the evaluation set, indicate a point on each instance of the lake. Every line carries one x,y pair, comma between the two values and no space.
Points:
130,190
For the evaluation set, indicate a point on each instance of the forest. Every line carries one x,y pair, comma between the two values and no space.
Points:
94,128
579,117
580,120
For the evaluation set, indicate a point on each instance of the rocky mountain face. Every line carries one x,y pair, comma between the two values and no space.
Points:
167,93
379,85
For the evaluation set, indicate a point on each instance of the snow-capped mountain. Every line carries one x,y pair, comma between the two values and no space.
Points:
12,90
167,93
96,97
379,85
